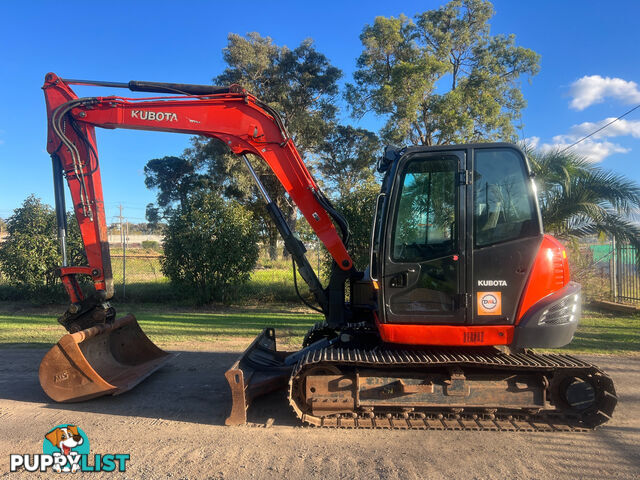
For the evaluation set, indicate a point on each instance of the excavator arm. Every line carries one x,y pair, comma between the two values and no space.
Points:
230,114
102,355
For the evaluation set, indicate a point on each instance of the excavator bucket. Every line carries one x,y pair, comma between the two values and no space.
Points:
101,360
259,370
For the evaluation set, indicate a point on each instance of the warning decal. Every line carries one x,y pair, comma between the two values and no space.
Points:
489,303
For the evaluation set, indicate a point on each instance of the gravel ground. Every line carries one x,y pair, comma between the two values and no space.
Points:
172,425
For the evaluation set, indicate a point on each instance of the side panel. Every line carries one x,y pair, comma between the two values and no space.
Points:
549,274
500,272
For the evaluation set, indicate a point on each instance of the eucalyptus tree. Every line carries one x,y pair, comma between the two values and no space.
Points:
300,83
442,77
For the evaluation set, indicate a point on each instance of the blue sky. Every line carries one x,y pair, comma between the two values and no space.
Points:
589,72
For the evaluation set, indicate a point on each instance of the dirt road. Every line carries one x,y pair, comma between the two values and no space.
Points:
172,426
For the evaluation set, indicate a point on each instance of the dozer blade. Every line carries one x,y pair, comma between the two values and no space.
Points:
258,371
101,360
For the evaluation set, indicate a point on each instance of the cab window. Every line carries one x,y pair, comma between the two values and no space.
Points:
425,220
503,205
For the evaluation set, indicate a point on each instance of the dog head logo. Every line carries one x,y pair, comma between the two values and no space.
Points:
68,441
65,438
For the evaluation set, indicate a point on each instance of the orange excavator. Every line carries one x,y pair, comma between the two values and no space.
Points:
436,333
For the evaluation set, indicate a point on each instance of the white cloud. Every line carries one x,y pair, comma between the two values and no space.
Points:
532,142
616,129
587,91
595,148
592,89
598,146
593,151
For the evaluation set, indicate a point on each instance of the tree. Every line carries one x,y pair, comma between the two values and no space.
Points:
30,253
301,84
210,245
358,207
173,178
578,199
443,78
347,158
207,165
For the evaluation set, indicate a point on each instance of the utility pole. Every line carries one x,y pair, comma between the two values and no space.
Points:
123,241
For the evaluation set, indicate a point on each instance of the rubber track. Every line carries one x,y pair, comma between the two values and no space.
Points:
445,420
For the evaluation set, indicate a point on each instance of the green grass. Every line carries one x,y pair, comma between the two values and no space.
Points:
138,269
146,285
197,328
170,327
271,285
600,332
203,328
264,286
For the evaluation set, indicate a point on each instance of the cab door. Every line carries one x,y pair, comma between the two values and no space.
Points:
423,273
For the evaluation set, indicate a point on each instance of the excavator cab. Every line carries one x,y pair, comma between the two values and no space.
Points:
460,255
452,213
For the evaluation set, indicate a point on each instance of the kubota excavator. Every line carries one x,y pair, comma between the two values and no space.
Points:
436,333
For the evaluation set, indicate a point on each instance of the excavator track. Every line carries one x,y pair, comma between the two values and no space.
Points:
318,331
388,388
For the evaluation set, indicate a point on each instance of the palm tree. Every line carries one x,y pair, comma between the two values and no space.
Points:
578,199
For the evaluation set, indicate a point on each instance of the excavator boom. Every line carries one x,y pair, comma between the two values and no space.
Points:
230,114
242,122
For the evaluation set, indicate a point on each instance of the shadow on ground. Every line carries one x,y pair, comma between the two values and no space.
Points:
190,388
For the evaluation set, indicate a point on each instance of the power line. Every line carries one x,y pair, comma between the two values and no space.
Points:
600,129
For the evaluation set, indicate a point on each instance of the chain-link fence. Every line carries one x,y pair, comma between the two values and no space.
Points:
130,269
